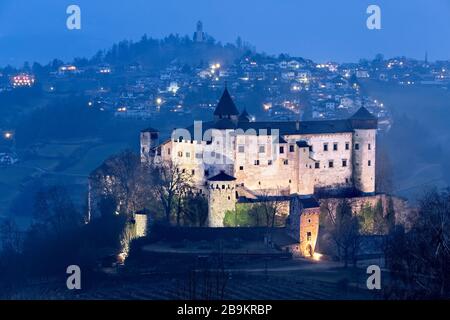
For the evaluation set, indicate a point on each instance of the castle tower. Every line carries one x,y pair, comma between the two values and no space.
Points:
365,126
199,35
226,109
149,144
303,224
221,198
304,175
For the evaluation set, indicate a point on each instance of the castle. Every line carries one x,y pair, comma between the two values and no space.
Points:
232,159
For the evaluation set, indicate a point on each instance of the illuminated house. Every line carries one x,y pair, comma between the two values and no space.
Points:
22,80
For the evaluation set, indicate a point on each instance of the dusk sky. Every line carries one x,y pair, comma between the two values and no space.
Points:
321,30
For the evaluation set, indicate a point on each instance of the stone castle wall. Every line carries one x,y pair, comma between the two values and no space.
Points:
358,203
257,163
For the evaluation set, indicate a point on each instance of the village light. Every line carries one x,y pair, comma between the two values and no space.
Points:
317,256
158,101
267,106
8,135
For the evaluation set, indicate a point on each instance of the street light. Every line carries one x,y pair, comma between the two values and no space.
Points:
8,135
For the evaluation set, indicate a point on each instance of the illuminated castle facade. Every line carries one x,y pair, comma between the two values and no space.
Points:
231,157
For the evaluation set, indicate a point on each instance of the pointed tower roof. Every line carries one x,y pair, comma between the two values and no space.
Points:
222,176
244,116
363,114
226,106
363,119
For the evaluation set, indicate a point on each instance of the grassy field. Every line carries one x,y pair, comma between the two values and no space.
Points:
94,157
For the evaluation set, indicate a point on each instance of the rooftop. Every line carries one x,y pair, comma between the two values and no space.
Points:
226,105
222,176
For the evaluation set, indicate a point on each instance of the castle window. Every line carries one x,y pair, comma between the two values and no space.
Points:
241,168
335,146
223,186
290,180
180,153
199,155
188,154
256,162
347,146
193,172
369,147
262,149
344,163
291,148
183,171
168,151
229,198
356,146
206,173
369,163
317,165
286,162
325,147
241,149
269,162
330,164
143,150
158,151
281,149
311,148
308,236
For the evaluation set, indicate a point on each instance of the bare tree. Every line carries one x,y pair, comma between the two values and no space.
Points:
343,227
123,177
170,184
53,208
420,259
271,207
195,209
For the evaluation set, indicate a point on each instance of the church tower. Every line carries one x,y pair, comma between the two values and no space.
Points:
365,127
199,35
221,198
